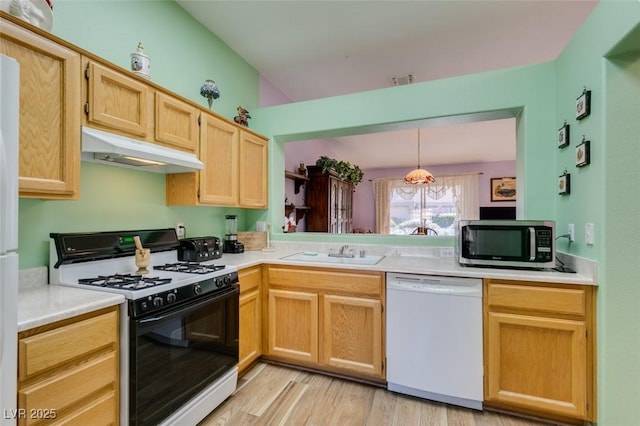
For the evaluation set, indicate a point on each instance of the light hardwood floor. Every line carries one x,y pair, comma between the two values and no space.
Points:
273,395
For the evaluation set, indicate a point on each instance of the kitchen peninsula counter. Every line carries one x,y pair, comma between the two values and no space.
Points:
413,263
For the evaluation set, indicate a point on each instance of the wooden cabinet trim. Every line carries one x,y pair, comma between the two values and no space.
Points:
70,386
250,278
342,346
250,346
519,371
117,101
176,123
542,299
304,329
340,281
50,349
50,112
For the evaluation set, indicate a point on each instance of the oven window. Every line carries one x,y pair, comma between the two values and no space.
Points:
174,356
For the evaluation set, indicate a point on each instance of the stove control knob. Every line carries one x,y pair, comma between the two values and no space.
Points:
171,297
157,302
143,305
219,282
227,280
197,289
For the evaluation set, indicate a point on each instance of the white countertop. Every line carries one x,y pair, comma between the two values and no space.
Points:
414,264
40,303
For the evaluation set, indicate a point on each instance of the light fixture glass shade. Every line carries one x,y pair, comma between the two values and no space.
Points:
419,176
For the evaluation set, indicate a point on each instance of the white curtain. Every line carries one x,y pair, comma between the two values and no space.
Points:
382,199
463,188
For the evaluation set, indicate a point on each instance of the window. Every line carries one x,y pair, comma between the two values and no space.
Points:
434,209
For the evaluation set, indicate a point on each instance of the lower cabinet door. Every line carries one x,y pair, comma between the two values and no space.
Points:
250,329
352,334
537,363
293,325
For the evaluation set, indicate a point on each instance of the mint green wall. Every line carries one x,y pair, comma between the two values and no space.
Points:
112,198
526,91
619,319
183,54
607,192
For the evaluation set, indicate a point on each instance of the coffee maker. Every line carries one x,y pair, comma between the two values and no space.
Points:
231,243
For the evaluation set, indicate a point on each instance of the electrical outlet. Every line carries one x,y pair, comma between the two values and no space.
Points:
588,233
572,232
446,252
180,229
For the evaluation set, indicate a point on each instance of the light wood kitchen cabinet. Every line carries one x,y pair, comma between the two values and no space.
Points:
250,346
217,183
235,170
327,319
293,325
352,334
68,371
176,123
50,111
117,102
254,171
539,343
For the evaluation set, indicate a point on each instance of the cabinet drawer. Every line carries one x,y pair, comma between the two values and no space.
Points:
534,297
47,350
102,411
250,279
330,281
70,386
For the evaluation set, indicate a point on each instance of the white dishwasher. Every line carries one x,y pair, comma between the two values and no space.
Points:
434,338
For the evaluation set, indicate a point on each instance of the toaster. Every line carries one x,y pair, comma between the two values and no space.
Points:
199,249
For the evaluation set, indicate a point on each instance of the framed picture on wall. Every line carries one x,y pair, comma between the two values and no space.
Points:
564,184
583,156
503,189
583,105
563,136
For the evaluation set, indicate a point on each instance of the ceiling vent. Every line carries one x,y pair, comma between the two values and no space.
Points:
401,81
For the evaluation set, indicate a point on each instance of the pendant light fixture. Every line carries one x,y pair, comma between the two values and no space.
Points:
419,175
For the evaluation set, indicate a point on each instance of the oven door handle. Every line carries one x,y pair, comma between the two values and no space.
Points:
185,310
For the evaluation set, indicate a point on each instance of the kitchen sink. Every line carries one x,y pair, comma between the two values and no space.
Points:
312,256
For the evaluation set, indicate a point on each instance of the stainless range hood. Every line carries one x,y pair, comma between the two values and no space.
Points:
108,148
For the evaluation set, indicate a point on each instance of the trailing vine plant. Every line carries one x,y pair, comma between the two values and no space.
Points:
344,169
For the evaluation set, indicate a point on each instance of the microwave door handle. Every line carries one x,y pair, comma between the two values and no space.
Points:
532,244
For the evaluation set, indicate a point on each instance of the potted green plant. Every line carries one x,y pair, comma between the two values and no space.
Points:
344,169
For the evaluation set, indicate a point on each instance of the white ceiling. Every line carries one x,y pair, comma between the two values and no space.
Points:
313,49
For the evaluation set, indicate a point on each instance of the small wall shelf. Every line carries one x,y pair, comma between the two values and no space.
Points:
300,211
298,180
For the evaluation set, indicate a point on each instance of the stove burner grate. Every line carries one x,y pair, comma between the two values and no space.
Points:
124,281
190,267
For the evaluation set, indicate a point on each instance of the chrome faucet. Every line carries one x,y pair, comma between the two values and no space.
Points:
342,252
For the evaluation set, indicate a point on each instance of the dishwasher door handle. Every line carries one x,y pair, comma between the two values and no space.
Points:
433,288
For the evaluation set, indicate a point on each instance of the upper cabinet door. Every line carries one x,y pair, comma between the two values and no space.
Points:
176,123
117,101
254,171
50,113
219,153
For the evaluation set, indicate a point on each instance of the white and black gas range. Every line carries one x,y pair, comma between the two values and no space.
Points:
179,333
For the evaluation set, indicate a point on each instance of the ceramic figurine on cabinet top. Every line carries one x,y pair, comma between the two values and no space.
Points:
210,91
243,117
140,63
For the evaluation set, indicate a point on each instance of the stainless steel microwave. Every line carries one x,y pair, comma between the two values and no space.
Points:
510,243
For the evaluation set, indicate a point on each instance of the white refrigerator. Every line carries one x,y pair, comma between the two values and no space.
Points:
9,116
